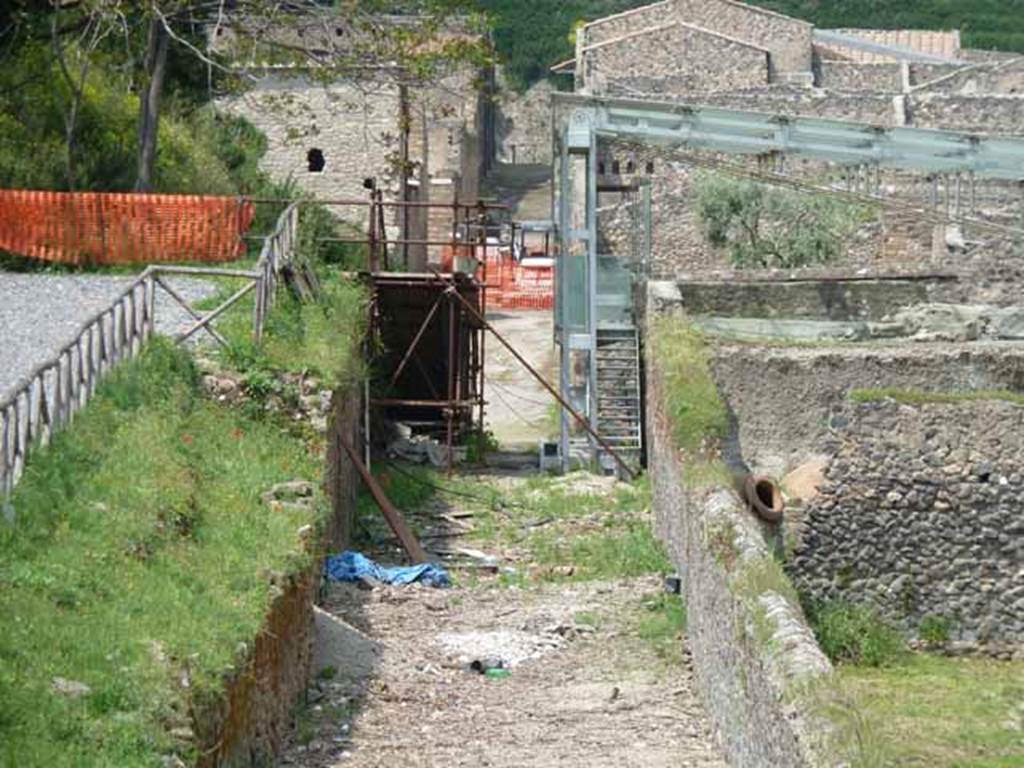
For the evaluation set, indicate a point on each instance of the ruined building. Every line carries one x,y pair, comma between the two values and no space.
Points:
728,55
421,141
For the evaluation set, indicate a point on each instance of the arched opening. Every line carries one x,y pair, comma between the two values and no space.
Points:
315,159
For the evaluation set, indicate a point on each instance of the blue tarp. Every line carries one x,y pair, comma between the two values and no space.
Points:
353,566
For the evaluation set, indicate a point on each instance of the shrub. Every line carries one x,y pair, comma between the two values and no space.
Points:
759,226
856,634
934,630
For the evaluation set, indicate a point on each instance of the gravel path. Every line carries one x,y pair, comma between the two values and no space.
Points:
40,313
393,686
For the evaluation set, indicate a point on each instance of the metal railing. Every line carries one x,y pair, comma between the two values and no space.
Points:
47,399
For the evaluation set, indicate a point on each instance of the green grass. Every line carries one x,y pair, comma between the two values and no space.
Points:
625,549
856,634
556,523
936,712
918,397
318,338
142,554
662,624
699,416
615,541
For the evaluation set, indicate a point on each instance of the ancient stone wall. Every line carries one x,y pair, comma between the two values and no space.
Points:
524,125
787,39
816,295
919,516
855,76
673,58
628,22
754,656
787,100
976,114
1003,78
785,398
354,129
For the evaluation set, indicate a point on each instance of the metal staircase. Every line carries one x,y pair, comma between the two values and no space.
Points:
619,414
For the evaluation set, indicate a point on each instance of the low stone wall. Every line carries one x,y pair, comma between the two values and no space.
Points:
256,717
754,656
822,295
249,727
920,516
785,398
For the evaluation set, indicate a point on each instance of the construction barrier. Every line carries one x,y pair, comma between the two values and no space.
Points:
112,228
510,284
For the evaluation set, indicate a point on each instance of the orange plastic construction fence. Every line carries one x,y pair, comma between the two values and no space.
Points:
113,228
509,285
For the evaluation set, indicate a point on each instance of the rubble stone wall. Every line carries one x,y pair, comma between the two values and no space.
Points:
672,59
754,655
920,516
785,398
855,76
628,22
787,39
524,125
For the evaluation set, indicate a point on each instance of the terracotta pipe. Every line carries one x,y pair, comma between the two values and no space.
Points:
762,496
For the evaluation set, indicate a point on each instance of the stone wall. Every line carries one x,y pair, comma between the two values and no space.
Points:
920,515
356,130
625,23
976,114
785,398
256,716
524,125
855,76
673,58
817,295
787,100
1003,78
754,656
787,39
251,727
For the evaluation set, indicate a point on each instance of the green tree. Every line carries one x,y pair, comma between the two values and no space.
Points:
759,226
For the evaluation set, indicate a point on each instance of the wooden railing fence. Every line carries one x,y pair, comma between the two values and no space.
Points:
47,399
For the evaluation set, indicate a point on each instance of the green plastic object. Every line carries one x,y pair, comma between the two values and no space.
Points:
498,674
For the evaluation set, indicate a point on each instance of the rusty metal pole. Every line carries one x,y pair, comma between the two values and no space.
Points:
482,241
451,382
395,520
544,382
372,237
382,232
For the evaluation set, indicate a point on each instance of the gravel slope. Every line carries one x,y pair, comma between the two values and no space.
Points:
40,313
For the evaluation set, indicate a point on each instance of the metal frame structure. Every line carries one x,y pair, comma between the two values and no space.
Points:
858,147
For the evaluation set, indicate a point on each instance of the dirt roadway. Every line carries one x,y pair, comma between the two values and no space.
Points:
395,688
519,410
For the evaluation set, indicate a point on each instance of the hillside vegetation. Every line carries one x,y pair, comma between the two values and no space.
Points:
531,35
